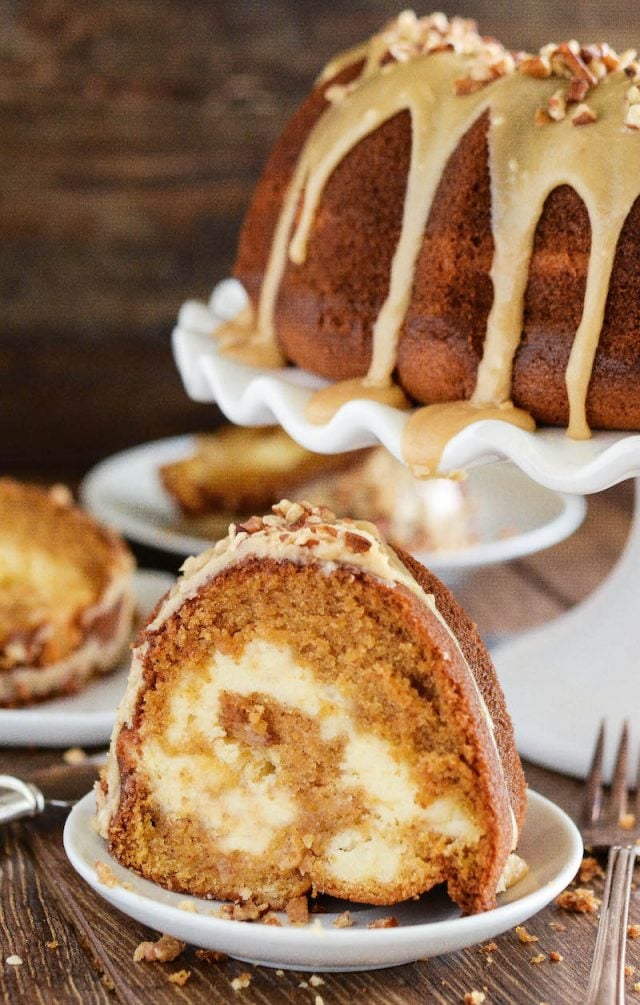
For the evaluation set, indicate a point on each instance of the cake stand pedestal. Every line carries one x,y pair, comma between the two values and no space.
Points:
560,679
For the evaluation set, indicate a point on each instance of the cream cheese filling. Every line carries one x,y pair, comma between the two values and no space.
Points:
246,813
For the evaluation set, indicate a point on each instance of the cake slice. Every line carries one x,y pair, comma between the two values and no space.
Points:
238,470
66,596
309,710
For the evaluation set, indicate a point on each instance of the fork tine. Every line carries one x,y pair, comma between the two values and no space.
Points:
619,783
637,800
592,801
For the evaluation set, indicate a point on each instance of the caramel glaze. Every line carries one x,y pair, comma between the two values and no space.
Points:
526,167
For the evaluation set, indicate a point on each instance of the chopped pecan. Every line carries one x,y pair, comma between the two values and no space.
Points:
584,115
356,543
466,85
252,525
536,66
576,64
577,90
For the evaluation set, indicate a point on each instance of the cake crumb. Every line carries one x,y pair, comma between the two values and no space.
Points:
540,958
279,973
582,900
303,984
490,947
180,977
474,998
298,910
555,957
633,931
627,821
318,1000
388,922
224,911
629,971
557,926
211,955
271,919
636,986
74,755
242,981
248,911
525,936
343,920
188,905
105,874
53,944
14,961
315,981
590,869
166,949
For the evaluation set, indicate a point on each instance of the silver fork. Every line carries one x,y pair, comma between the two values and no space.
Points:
602,830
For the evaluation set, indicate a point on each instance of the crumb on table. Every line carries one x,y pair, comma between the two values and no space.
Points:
164,950
180,977
524,936
211,955
582,900
242,981
590,869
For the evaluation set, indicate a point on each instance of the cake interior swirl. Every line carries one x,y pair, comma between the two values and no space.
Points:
309,711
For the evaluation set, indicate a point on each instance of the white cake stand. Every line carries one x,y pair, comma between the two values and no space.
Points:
560,679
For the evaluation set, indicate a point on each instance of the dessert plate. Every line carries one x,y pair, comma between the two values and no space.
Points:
512,516
431,926
85,718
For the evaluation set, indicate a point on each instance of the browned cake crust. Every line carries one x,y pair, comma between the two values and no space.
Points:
387,658
483,670
66,602
327,305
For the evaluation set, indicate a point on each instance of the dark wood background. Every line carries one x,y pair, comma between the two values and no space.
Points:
131,133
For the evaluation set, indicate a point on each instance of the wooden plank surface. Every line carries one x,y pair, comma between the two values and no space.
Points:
42,899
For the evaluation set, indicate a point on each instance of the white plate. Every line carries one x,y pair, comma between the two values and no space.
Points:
513,516
550,843
85,718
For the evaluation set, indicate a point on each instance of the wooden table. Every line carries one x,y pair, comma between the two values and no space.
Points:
75,948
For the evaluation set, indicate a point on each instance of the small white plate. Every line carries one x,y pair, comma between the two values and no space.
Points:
432,926
513,516
85,718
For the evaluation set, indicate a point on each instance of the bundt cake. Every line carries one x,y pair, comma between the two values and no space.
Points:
66,599
448,219
308,710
